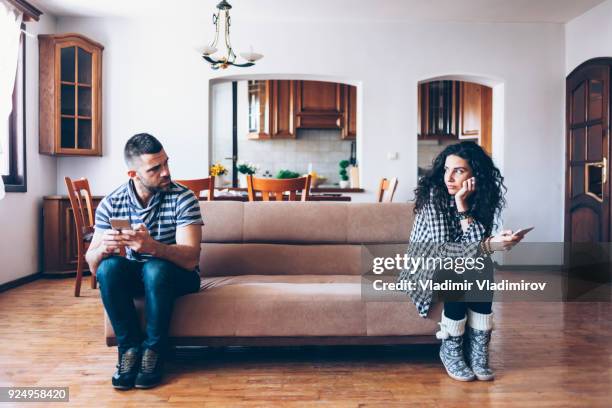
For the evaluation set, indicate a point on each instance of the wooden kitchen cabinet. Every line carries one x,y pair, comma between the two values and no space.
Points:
438,110
476,112
70,95
319,105
59,234
349,112
272,109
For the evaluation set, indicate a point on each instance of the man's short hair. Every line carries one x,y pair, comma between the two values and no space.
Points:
139,144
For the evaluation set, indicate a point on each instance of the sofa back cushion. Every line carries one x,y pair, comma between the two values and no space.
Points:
319,238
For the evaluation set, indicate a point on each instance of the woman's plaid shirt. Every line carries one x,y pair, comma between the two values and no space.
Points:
438,234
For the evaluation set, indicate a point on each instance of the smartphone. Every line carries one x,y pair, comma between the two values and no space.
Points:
522,231
120,224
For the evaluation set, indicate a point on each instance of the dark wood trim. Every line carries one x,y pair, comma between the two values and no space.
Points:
30,13
18,282
15,182
234,133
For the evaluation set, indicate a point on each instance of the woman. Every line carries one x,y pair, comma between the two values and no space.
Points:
457,202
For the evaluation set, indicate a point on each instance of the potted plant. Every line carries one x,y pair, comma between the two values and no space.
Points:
245,169
218,171
344,178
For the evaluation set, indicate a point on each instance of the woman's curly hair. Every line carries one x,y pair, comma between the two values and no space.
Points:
485,202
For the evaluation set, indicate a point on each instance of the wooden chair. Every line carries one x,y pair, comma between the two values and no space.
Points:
83,213
277,187
388,187
199,185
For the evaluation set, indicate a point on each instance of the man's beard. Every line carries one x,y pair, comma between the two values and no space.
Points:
157,188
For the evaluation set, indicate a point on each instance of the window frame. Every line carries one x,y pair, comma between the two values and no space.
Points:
16,180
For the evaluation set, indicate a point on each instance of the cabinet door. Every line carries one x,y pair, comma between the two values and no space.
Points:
349,122
471,110
438,110
319,105
79,100
282,109
476,113
259,109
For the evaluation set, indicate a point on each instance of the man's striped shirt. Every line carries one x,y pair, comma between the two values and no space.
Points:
164,213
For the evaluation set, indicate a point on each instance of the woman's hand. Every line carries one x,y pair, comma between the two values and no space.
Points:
504,241
467,187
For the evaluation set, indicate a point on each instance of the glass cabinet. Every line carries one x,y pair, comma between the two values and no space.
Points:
70,95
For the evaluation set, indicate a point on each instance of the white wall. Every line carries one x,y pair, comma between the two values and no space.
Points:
589,36
154,80
20,213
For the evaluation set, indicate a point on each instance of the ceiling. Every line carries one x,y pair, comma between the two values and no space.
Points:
512,11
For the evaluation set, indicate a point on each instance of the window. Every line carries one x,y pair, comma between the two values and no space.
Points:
12,133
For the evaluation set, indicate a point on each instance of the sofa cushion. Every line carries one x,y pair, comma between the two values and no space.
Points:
279,259
289,305
306,223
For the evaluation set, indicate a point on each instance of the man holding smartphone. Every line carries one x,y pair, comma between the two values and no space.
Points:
162,257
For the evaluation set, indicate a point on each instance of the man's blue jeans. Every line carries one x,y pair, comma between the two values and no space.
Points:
160,281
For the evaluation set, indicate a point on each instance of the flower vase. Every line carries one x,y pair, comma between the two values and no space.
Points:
242,180
344,184
220,181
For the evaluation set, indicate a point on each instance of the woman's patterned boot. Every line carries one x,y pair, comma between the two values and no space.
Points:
451,350
480,327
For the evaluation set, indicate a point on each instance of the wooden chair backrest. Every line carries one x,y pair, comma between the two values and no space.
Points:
199,185
277,187
389,187
82,204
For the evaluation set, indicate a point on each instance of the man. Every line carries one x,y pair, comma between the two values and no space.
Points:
161,262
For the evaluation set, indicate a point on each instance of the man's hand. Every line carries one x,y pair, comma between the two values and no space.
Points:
111,242
140,240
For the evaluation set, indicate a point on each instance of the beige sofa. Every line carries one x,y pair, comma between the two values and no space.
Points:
289,273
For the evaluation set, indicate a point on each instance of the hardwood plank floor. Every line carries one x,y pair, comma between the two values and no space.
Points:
544,354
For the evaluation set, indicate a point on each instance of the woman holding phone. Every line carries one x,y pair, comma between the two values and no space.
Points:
457,202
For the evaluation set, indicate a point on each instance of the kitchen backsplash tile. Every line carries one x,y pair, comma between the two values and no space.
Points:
323,148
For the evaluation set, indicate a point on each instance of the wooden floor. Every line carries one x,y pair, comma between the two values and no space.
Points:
544,354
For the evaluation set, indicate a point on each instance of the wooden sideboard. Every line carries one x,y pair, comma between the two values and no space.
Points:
59,235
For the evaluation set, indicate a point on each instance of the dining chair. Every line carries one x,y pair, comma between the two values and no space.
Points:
199,185
83,214
386,190
276,187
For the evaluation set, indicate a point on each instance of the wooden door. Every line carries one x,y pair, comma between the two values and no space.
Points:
587,198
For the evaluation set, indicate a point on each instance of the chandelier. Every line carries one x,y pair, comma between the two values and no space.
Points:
224,61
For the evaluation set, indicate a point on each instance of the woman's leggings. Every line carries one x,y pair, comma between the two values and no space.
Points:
458,310
457,302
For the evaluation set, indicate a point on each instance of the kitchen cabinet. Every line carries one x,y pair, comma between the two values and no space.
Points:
349,112
272,109
476,111
319,105
277,108
70,95
438,109
454,109
59,232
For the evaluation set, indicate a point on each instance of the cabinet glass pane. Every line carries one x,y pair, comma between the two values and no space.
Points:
67,99
84,101
67,64
67,133
84,67
256,93
84,134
